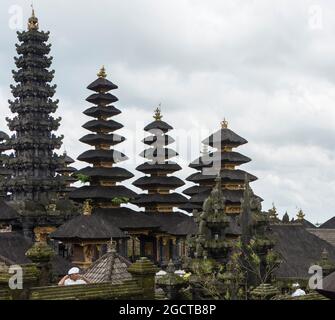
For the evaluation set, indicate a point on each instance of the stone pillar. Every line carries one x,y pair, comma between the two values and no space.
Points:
160,250
171,283
175,251
41,254
143,270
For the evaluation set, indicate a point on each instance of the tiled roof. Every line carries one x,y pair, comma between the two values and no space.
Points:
111,267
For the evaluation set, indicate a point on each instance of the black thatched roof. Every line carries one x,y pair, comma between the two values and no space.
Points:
307,224
67,159
324,234
170,198
328,286
299,250
160,154
4,147
99,138
224,137
189,207
98,125
116,173
7,213
159,181
126,218
102,111
158,125
102,98
102,85
92,156
226,176
158,140
196,189
3,136
219,157
13,248
111,267
87,227
151,167
67,170
175,223
101,193
5,172
330,224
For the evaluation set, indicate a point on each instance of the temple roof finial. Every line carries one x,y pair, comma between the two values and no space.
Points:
300,215
224,124
33,21
102,73
158,115
111,246
87,208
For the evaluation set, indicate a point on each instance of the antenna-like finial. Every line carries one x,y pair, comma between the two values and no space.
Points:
102,73
224,124
33,21
158,115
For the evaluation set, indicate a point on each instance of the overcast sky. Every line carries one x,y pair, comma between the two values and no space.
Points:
267,66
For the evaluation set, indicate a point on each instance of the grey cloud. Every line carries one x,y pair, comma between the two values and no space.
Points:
258,63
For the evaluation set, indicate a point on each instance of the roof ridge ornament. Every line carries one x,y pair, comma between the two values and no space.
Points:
33,20
111,246
87,208
158,115
102,73
224,124
300,215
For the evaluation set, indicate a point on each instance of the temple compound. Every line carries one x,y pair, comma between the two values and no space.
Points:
117,236
157,233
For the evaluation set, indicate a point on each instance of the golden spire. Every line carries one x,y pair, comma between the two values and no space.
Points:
300,215
224,124
87,208
33,21
158,116
102,73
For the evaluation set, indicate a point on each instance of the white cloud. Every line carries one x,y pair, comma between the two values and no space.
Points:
258,63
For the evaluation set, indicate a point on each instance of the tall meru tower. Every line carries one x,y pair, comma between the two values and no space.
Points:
33,185
159,180
221,161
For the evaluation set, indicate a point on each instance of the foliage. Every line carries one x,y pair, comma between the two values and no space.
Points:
204,273
82,178
217,281
120,200
249,259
